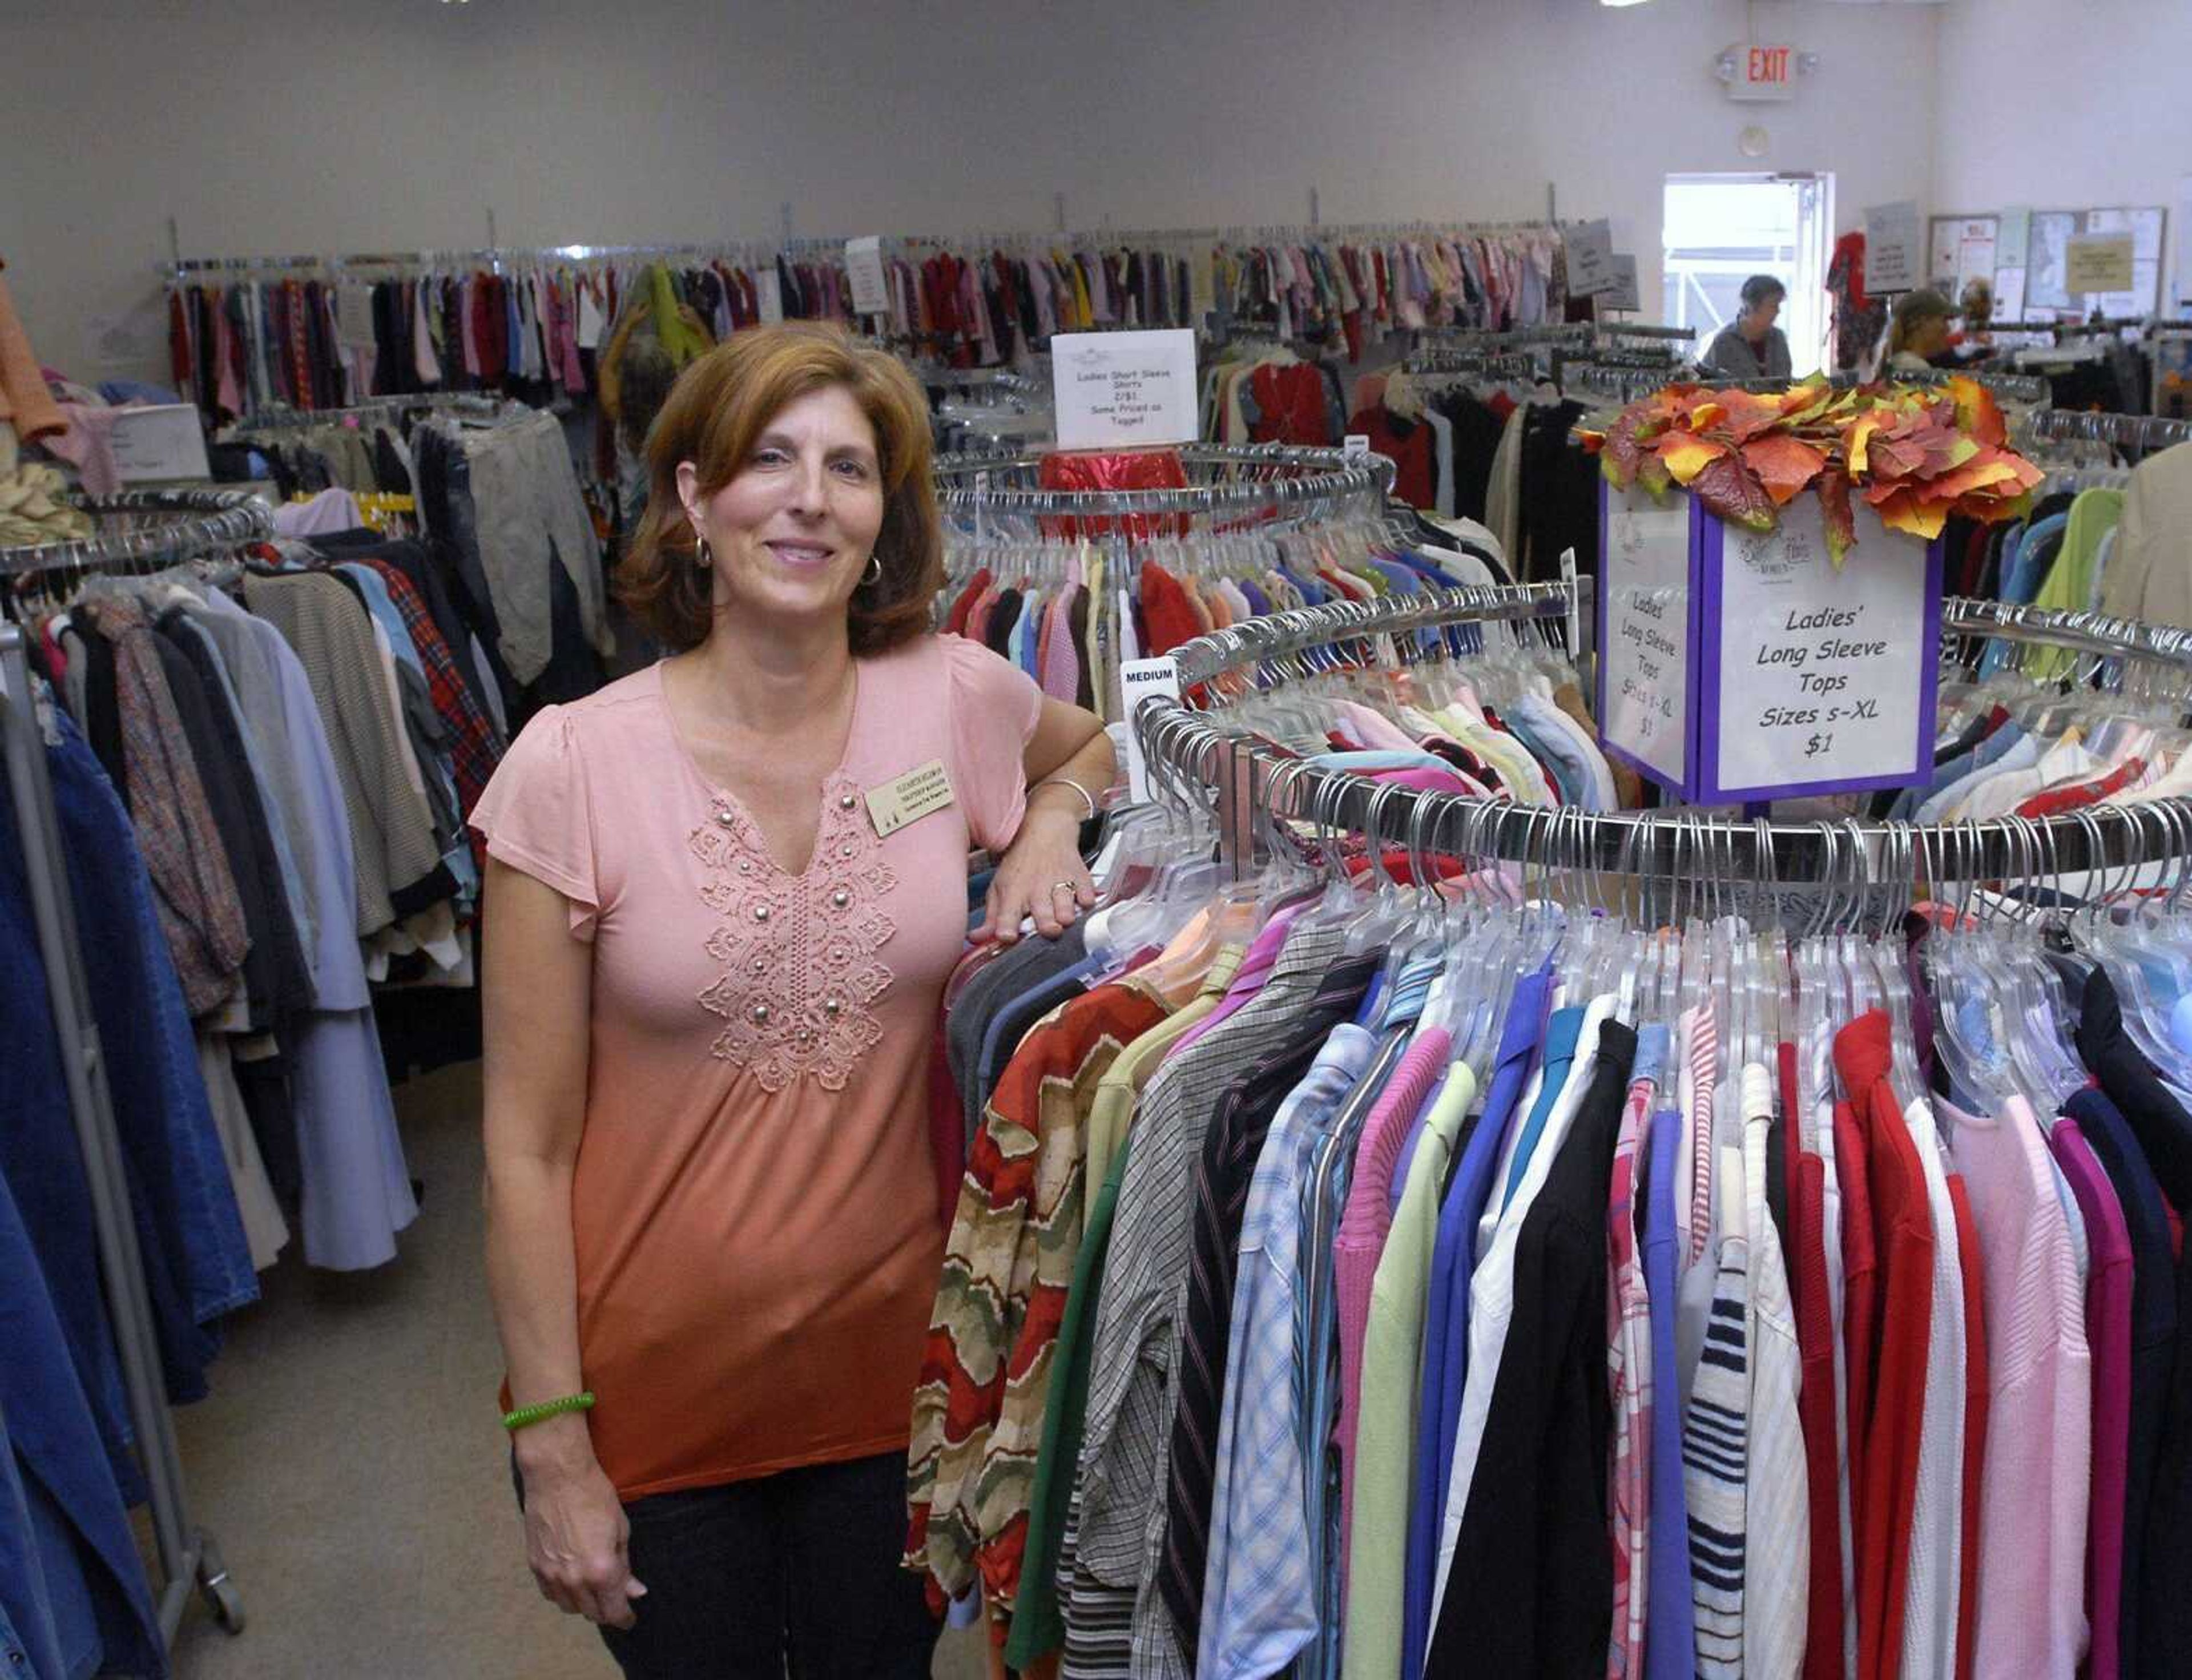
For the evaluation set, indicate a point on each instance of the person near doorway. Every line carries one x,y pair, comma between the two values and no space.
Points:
1751,346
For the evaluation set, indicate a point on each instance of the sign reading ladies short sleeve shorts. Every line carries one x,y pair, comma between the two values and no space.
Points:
1894,247
1590,258
1124,389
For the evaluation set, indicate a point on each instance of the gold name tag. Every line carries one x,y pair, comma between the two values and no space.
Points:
912,796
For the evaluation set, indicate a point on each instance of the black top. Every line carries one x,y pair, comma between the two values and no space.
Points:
1530,1591
2164,1133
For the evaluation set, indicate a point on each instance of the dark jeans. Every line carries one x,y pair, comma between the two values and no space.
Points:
796,1573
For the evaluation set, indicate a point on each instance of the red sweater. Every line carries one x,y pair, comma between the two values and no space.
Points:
1902,1242
1815,1342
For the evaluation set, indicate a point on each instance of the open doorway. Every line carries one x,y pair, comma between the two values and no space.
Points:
1718,229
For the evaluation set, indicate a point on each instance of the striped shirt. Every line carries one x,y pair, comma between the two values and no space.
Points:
1717,1447
1258,1594
1776,1514
1629,1369
1134,1385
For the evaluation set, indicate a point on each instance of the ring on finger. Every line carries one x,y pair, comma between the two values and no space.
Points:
1063,886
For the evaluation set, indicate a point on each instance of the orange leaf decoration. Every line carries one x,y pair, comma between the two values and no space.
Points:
1978,413
1732,490
1784,465
1840,517
1685,454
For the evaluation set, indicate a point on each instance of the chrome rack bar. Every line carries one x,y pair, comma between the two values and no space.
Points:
202,519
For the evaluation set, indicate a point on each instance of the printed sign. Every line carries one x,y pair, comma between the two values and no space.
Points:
2098,262
1140,679
864,267
1590,258
769,294
354,314
1124,389
1820,680
1622,293
1894,247
1644,633
159,444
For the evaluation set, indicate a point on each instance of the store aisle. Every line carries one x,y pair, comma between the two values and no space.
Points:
347,1460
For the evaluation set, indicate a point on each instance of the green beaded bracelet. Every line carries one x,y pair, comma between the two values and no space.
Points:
526,1416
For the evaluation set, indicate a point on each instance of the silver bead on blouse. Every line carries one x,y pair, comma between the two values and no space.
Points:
761,912
846,802
830,1006
841,898
760,1013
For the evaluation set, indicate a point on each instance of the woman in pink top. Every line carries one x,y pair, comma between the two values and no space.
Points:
725,895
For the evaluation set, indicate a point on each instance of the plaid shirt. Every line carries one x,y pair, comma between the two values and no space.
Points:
473,754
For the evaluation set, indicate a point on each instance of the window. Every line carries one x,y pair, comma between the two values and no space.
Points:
1720,230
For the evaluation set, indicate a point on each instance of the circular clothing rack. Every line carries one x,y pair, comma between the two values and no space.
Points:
1197,758
150,528
1236,479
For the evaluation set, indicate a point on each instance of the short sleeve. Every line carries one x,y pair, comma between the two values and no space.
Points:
995,706
535,814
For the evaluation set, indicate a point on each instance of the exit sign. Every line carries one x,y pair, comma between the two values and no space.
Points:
1763,72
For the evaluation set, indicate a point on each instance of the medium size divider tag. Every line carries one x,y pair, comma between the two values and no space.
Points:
909,797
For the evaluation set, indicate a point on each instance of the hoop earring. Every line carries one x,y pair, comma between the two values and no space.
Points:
703,557
874,574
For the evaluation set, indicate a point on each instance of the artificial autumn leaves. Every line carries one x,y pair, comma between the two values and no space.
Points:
1914,455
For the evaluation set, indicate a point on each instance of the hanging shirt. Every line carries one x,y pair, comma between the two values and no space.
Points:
1446,1330
2037,1475
1670,1626
1929,1628
1777,1515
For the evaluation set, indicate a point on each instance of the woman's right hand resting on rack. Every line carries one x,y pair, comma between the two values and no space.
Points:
575,1528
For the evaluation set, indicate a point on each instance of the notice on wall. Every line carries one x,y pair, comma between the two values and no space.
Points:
354,314
1894,247
1139,680
1822,673
1622,293
2098,262
2012,235
1590,258
1124,389
864,267
768,293
1644,646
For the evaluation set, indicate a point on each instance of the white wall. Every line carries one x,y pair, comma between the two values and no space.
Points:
309,125
2063,106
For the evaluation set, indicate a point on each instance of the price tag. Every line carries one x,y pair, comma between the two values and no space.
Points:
1590,258
1568,581
864,267
1126,389
1138,679
1894,247
1824,676
2097,262
1644,633
1357,447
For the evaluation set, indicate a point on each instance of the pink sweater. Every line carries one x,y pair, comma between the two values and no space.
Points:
1363,1227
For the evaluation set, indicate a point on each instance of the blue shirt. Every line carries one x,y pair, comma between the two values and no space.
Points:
2021,576
1947,776
1560,1036
1259,1601
1446,1322
1669,1618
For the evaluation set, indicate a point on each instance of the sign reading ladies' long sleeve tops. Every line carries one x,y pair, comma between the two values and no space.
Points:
1742,665
1824,679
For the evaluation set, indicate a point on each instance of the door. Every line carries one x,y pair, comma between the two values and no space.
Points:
1717,231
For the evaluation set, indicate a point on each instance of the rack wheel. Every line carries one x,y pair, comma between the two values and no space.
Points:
224,1601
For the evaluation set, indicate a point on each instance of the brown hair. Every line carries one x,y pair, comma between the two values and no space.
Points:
718,407
1913,310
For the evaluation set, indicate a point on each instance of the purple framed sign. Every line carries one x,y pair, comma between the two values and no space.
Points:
1793,678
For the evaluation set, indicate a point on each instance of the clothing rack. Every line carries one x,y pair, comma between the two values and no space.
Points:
184,522
499,258
1493,364
1240,479
2082,425
1241,778
194,521
1623,330
468,405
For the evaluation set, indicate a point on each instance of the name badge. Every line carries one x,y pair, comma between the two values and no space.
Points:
911,796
